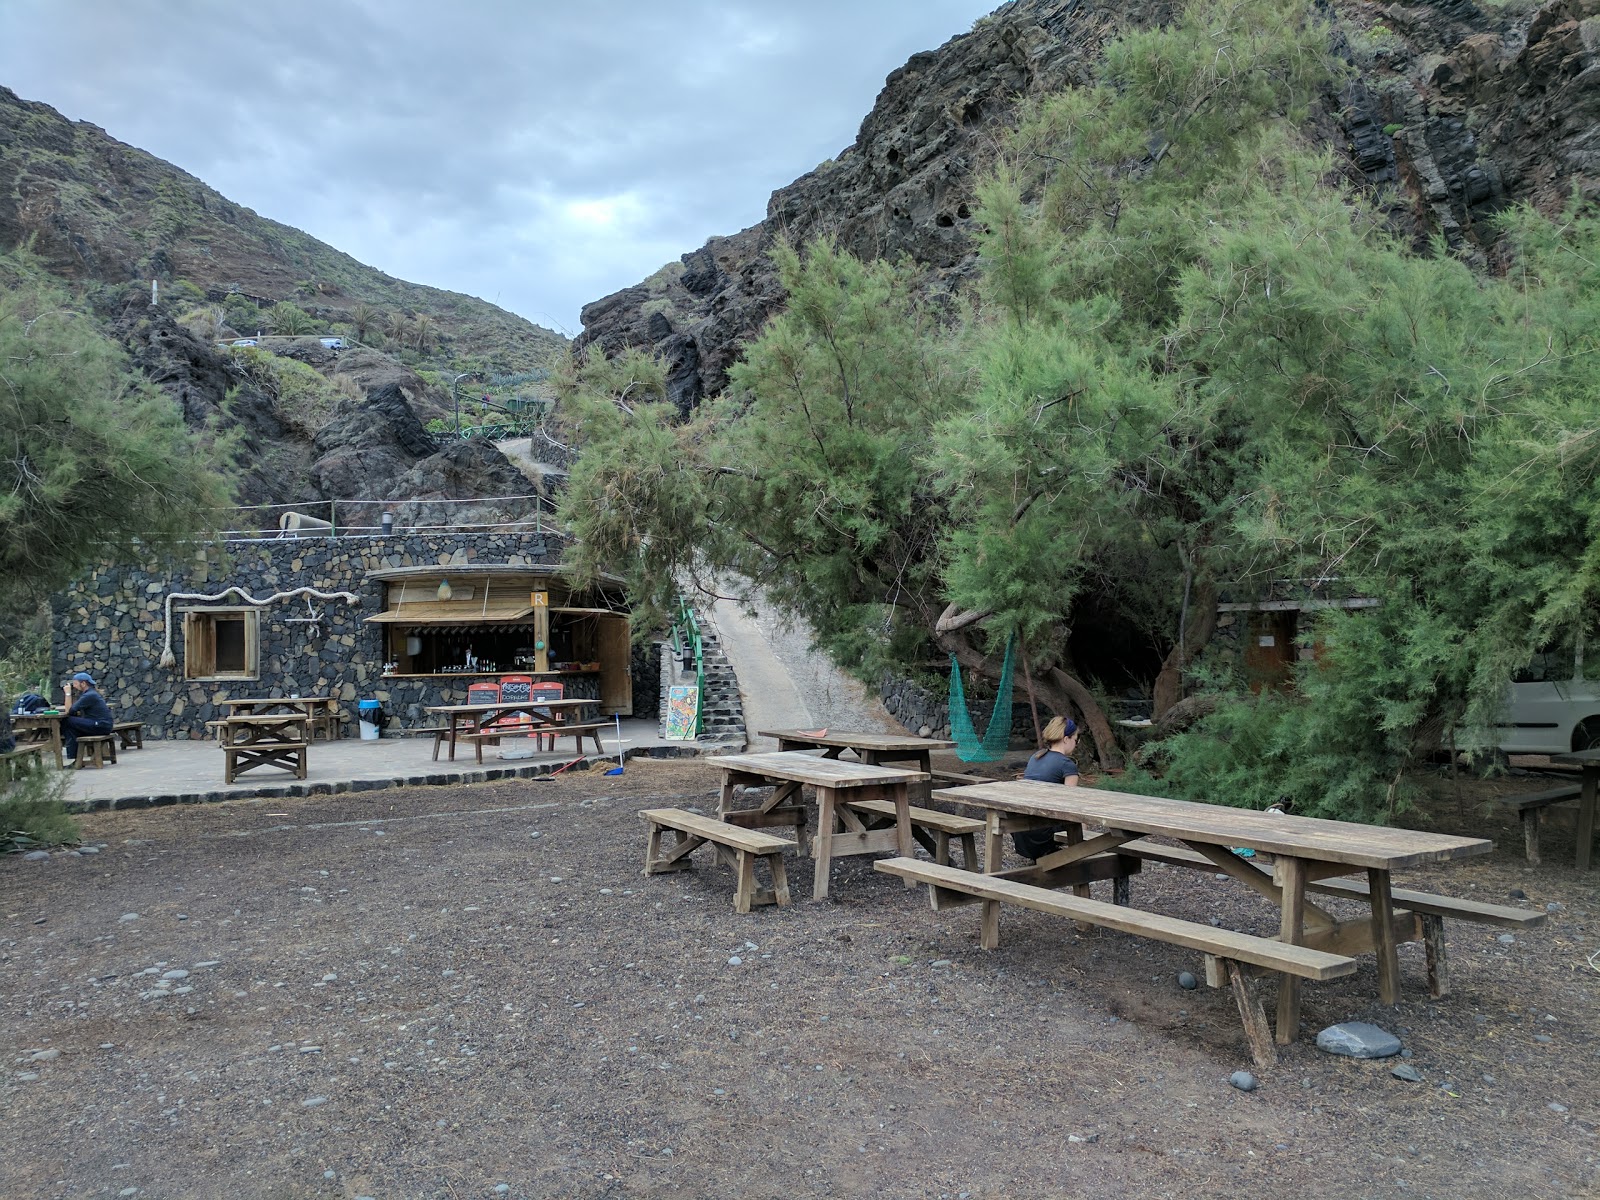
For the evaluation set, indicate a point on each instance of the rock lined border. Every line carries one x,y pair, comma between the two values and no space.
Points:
284,791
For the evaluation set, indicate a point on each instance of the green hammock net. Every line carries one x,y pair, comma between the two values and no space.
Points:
992,745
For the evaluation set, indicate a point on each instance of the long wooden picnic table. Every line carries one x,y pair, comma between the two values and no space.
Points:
321,711
840,830
474,719
869,747
1304,850
40,729
866,745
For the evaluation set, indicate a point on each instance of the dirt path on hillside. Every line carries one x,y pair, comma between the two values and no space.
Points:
472,992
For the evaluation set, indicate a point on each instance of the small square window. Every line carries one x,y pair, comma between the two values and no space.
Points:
222,643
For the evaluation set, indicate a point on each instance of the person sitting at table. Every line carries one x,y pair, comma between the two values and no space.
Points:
87,716
1051,763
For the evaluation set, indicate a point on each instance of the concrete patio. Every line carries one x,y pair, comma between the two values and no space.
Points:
183,772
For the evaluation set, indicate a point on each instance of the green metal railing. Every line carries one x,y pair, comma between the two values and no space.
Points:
686,637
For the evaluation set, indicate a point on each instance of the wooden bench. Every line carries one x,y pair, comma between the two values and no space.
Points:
577,732
932,829
439,733
246,756
218,728
327,721
131,734
1532,808
737,847
957,778
94,749
1231,949
1431,909
14,762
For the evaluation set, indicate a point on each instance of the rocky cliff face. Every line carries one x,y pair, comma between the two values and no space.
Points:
372,447
109,218
1453,112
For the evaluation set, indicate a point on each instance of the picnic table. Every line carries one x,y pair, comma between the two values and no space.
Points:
473,721
1589,760
876,748
1308,854
40,729
841,831
252,740
322,712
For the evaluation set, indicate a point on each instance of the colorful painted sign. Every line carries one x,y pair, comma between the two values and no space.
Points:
683,712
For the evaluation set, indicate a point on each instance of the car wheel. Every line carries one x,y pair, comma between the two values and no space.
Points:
1587,735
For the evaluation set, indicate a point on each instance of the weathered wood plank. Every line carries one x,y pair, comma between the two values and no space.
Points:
1299,961
1301,837
799,767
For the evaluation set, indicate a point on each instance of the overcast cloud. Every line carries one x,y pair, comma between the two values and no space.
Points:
536,154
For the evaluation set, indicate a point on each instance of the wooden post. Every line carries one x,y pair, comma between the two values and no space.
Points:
1383,942
1586,806
1291,931
1438,964
822,850
1253,1016
989,938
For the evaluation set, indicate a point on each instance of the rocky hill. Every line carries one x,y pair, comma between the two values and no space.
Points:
1454,110
96,211
310,424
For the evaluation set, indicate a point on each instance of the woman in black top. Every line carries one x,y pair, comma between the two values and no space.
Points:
1051,763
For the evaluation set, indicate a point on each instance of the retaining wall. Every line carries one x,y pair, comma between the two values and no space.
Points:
111,623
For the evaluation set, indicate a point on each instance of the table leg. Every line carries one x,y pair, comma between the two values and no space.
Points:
1383,942
902,825
823,846
993,848
1586,806
55,744
1292,881
1438,962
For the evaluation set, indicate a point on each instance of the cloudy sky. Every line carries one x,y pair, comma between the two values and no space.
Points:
537,154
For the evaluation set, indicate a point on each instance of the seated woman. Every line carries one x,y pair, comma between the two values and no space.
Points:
87,715
1051,763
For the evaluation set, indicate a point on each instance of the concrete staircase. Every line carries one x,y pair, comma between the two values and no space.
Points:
722,719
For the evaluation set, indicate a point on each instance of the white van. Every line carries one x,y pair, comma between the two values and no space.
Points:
1553,703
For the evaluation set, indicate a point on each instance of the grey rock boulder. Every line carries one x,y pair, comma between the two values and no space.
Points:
1358,1039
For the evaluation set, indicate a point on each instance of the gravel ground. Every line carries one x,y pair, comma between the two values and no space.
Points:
472,992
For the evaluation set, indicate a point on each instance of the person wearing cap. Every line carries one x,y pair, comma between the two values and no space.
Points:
1051,763
87,715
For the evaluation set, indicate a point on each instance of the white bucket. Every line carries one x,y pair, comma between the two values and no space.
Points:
369,731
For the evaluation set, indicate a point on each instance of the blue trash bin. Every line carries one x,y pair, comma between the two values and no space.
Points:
367,711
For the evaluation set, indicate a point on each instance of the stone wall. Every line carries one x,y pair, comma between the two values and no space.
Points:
927,714
111,623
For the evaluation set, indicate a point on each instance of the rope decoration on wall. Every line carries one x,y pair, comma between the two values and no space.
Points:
169,659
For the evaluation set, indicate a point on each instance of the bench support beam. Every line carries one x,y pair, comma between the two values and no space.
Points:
1256,1030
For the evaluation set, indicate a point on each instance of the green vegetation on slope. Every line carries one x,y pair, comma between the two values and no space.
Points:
94,458
1194,364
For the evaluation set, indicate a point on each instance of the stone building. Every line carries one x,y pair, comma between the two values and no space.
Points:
409,619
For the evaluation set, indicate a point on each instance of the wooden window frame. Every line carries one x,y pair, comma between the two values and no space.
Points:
200,644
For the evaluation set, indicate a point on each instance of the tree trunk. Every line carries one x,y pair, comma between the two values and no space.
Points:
1202,624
